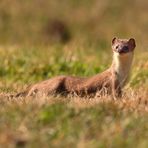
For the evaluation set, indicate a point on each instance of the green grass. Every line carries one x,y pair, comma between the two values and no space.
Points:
28,66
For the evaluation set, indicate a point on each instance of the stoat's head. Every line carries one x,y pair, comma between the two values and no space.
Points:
123,47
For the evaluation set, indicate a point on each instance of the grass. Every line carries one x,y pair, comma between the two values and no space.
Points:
65,122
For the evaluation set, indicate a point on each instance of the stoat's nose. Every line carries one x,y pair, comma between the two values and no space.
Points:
124,49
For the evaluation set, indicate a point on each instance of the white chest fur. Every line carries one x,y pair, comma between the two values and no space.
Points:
122,66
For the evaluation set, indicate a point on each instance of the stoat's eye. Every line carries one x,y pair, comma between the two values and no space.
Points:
117,47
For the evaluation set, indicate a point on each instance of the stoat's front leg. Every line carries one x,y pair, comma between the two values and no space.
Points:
116,88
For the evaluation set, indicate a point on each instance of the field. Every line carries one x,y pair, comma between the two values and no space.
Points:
29,55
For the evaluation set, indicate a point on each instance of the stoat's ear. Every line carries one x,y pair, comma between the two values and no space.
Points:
132,43
114,40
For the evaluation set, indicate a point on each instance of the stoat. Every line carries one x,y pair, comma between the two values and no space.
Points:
111,80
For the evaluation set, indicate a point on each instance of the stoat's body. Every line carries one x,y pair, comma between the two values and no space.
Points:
111,81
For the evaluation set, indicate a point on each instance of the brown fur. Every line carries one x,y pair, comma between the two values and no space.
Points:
108,81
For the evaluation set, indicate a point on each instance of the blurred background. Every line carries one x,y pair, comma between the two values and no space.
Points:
95,22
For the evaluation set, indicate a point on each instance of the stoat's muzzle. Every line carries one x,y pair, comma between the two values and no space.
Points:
122,50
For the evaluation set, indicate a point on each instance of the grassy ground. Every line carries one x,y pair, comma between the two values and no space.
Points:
29,53
71,122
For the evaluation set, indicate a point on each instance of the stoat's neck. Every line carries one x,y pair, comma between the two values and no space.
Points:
121,65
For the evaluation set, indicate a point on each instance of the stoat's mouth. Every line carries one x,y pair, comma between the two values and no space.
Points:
123,52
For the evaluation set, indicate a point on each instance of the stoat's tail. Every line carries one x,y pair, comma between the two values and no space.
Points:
8,97
13,96
4,96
